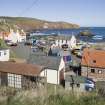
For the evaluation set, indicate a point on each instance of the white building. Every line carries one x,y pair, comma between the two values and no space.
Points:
12,37
71,43
4,54
21,36
52,67
53,75
15,37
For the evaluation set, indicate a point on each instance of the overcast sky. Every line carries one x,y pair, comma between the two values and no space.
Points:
82,12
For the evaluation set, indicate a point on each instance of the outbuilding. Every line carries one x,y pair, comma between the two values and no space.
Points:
54,67
19,75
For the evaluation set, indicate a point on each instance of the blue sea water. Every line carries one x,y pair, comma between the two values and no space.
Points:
99,31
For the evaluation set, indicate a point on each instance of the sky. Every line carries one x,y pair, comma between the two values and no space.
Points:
81,12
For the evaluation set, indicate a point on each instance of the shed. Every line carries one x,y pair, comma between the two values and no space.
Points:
19,75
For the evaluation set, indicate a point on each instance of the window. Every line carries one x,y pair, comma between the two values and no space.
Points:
14,80
94,61
92,70
100,71
5,52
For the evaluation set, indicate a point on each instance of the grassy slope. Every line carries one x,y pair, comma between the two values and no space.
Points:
31,23
10,96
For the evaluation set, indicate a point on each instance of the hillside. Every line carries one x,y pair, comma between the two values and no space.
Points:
31,23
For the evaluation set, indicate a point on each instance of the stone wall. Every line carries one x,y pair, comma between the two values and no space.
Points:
98,74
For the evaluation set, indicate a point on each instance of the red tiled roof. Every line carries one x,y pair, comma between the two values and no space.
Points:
93,58
20,68
6,34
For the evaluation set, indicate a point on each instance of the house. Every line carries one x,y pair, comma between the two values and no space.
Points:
64,52
19,75
11,36
73,42
4,54
53,67
21,36
71,62
70,42
93,64
14,37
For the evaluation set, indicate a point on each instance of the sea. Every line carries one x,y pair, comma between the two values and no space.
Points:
98,32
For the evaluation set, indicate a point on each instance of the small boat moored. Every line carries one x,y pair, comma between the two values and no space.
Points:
97,37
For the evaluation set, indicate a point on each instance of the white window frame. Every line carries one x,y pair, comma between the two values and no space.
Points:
14,80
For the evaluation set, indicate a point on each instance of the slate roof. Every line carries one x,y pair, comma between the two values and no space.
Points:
50,62
4,48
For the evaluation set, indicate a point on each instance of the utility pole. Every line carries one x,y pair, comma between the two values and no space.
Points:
72,84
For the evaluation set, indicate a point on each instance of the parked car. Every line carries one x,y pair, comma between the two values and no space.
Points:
89,84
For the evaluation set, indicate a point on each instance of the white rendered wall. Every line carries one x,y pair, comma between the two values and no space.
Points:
51,75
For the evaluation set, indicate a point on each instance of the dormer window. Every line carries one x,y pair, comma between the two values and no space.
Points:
94,61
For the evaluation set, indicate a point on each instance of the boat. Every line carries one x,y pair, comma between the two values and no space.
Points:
97,37
38,33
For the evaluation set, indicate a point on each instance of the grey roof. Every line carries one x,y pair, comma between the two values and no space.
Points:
4,48
51,62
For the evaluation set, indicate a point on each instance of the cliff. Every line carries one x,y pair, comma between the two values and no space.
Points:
31,23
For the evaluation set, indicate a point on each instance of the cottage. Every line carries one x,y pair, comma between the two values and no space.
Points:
21,36
53,67
70,42
14,37
4,54
73,42
19,75
93,64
